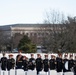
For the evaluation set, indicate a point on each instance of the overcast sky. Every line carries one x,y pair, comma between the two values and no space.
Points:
32,11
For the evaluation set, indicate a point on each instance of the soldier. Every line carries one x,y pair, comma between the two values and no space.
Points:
19,60
65,63
3,62
39,64
10,62
52,63
59,63
74,67
32,62
71,62
46,63
25,63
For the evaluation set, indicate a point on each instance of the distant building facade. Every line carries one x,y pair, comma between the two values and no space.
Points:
36,32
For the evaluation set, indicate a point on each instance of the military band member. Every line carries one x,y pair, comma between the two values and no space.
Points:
52,63
32,62
10,62
19,60
71,62
46,64
65,63
25,63
74,67
39,64
59,63
3,62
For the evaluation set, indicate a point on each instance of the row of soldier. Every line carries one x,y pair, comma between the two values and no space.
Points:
55,63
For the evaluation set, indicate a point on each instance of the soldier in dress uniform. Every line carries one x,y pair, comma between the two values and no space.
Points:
74,67
59,63
3,62
46,63
71,62
32,62
52,62
65,62
19,59
25,63
10,62
39,64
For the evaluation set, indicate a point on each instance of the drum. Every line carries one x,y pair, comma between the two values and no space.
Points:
66,65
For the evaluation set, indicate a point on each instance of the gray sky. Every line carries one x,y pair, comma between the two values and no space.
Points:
32,11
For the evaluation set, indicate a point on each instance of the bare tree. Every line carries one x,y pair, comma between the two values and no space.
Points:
4,40
57,28
64,32
54,17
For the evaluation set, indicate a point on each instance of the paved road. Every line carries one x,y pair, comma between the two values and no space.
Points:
21,72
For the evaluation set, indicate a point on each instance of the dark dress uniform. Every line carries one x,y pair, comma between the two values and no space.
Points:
25,64
31,64
10,64
71,64
3,63
64,62
74,67
19,60
39,65
59,64
52,64
46,65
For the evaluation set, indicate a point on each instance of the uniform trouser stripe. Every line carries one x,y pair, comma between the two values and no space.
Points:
3,73
8,72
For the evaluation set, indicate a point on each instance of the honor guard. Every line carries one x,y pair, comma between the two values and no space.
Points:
10,62
59,63
19,60
65,63
39,64
52,63
74,67
46,63
3,62
71,62
32,62
25,63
